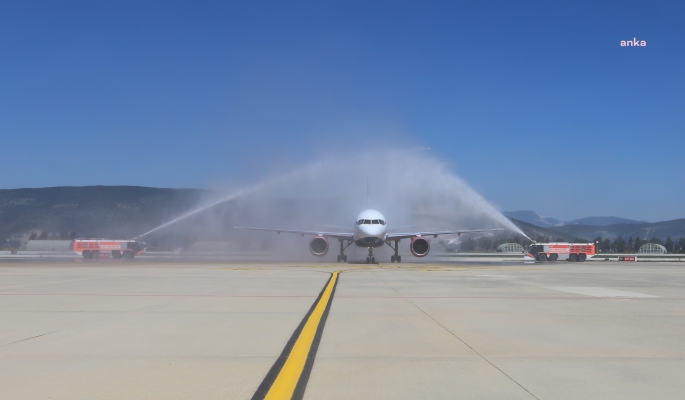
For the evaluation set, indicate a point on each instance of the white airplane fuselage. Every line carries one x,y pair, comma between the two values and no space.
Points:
370,229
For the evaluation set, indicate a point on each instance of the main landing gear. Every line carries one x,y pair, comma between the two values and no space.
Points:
397,257
342,257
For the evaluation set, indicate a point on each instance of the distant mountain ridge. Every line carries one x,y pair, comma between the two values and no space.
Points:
604,221
534,218
674,228
534,232
607,227
128,211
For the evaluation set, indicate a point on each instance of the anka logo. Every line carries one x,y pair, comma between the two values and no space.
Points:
633,42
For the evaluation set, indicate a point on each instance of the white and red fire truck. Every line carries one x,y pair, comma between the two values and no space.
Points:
561,251
105,248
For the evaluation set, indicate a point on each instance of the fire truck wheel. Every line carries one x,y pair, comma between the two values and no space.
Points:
553,257
87,254
116,254
128,255
582,257
573,257
542,257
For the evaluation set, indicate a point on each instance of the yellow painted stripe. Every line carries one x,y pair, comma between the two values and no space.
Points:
284,385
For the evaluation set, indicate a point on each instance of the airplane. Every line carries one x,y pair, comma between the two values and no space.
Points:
370,231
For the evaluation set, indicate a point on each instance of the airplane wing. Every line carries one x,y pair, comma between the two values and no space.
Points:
334,235
397,236
402,227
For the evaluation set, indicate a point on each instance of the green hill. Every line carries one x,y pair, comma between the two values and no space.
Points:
90,211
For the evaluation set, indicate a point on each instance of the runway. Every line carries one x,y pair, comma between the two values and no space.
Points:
154,330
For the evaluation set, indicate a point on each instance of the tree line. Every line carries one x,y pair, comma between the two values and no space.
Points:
620,245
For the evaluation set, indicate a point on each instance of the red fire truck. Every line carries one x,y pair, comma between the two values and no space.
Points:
105,248
561,251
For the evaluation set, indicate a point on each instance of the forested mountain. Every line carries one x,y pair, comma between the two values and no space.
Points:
662,230
545,234
89,211
127,211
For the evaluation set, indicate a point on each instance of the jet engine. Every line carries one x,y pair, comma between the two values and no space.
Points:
319,246
419,246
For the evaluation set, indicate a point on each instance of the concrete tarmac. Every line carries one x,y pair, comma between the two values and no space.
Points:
150,330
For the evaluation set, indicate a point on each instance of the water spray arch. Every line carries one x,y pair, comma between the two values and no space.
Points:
411,188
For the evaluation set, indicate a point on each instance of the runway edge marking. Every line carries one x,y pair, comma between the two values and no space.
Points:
288,377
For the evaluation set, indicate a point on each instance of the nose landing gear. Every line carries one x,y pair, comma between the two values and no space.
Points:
370,259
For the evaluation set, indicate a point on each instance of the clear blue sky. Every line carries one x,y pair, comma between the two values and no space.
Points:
534,103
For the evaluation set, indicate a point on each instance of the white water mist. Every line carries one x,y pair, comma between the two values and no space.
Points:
411,188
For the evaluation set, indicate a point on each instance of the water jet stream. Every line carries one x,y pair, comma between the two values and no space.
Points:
232,196
235,195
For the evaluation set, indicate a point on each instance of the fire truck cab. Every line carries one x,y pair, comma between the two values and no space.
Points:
105,248
561,251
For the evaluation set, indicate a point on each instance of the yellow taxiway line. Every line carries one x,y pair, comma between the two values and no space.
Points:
288,377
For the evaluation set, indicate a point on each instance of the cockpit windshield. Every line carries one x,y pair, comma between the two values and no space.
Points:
370,222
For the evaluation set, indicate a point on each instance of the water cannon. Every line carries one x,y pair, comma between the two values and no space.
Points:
526,236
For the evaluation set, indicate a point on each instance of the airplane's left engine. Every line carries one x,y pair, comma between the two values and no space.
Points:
419,246
319,246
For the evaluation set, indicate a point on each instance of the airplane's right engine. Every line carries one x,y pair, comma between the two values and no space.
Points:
419,246
319,246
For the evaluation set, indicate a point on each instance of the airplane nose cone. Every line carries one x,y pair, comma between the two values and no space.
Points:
372,230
